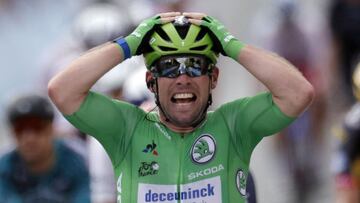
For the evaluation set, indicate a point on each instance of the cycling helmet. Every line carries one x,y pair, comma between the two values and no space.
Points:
356,82
30,105
179,37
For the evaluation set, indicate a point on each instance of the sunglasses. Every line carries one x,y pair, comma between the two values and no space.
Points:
173,66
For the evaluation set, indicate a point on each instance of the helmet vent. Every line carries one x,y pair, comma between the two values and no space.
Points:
182,30
201,34
163,48
162,34
199,48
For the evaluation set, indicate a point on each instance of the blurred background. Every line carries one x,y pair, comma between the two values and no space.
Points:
39,37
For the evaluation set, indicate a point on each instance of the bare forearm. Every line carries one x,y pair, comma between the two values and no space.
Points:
69,87
291,91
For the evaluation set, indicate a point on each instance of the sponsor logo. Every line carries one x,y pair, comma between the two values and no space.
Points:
143,25
220,27
203,149
146,169
206,172
241,182
208,190
152,40
163,131
151,148
136,34
228,38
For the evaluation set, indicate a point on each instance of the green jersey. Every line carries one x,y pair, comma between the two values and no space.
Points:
152,163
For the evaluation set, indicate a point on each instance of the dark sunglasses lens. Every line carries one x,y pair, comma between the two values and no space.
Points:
194,72
196,67
168,68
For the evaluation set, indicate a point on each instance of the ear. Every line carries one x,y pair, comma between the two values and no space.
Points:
150,81
214,77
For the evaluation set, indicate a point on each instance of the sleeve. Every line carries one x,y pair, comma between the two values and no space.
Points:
252,118
110,121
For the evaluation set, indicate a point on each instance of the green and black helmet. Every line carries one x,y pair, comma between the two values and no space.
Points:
178,39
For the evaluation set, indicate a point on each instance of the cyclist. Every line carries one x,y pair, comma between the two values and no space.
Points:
40,169
182,152
348,156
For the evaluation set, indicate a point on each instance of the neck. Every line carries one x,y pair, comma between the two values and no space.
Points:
43,165
176,128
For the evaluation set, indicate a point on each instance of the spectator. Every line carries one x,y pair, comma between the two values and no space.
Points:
347,159
344,23
41,168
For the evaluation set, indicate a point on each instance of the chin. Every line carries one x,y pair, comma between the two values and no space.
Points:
183,121
32,160
30,156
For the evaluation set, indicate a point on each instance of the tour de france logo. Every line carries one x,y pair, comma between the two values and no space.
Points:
148,168
203,149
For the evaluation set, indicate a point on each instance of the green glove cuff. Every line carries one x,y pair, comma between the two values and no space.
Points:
133,43
233,48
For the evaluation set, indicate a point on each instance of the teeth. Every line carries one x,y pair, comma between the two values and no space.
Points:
183,96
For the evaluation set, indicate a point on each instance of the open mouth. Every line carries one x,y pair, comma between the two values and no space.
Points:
181,98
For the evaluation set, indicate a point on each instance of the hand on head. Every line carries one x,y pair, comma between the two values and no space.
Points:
227,43
135,39
230,46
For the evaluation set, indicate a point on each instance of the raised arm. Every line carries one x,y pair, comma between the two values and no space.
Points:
290,90
69,88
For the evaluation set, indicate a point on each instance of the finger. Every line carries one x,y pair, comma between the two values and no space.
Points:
167,20
169,14
195,21
198,16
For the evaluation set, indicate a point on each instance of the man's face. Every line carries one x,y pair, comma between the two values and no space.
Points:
184,98
34,138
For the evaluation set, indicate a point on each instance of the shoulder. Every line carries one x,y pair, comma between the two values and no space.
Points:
227,112
95,99
259,101
7,159
127,109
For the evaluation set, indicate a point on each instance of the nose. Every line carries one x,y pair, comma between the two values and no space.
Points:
183,79
27,135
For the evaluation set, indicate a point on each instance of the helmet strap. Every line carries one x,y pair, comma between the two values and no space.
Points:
157,100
